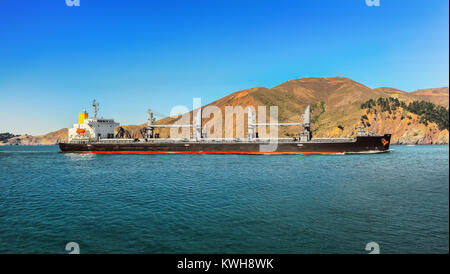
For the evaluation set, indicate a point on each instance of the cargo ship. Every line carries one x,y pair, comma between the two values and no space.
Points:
97,135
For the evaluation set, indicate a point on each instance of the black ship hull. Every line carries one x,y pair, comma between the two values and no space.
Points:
361,144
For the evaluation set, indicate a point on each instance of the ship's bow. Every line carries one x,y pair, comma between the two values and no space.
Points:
386,141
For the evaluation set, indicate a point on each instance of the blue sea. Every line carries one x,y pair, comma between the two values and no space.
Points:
224,203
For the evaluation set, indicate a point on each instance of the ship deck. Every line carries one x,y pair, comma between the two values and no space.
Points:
217,140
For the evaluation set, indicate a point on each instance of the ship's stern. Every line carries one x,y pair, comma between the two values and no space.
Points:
72,147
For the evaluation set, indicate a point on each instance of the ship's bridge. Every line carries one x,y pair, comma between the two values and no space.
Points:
92,129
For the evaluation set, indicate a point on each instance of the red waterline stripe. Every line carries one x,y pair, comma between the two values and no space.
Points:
202,152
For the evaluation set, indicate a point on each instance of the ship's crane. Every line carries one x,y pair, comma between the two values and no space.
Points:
123,133
197,125
305,135
144,133
95,105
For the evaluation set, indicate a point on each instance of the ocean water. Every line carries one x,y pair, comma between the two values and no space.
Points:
224,203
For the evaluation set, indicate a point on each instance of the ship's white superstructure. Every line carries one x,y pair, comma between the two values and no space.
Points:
92,129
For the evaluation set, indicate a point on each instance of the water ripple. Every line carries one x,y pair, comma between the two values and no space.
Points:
224,203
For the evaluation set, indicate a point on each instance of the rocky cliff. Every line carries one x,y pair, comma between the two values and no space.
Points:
46,139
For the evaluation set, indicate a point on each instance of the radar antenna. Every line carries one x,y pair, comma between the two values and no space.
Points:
95,105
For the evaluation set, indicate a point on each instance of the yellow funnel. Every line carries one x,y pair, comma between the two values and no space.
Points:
83,115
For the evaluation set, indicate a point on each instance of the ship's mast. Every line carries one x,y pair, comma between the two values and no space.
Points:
95,106
306,134
307,118
251,123
150,121
197,124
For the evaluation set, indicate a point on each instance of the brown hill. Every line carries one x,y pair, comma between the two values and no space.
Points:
435,95
46,139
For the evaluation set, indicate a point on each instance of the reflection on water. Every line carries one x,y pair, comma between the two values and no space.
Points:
80,156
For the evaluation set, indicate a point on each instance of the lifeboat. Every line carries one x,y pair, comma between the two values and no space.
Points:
81,131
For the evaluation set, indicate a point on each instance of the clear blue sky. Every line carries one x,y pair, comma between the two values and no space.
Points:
132,55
